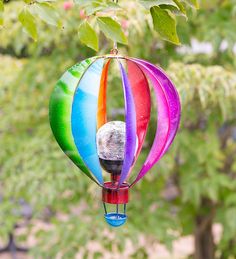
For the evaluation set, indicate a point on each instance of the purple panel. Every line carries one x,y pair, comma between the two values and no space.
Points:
168,114
130,119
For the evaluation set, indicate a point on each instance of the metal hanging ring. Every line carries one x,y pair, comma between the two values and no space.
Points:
114,51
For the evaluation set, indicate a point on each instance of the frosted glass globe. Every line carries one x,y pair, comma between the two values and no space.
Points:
111,140
111,146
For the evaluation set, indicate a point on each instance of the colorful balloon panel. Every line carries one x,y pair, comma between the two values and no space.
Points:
168,114
163,126
60,112
130,119
172,96
83,117
142,100
102,102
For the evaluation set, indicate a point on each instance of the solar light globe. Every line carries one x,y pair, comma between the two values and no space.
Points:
111,146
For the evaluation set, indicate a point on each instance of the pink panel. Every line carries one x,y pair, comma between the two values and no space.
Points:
168,114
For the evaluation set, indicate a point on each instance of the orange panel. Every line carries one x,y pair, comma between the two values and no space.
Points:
102,105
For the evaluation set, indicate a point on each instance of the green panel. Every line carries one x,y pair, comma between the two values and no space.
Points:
60,112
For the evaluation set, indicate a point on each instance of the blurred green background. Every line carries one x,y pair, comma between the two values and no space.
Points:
55,210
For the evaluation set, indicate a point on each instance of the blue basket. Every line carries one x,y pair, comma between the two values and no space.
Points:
115,219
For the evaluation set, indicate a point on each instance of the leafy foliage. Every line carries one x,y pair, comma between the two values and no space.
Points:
1,12
101,12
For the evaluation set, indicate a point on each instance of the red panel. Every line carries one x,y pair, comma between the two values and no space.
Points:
142,99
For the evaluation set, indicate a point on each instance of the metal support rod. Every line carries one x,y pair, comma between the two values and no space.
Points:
125,208
117,210
104,206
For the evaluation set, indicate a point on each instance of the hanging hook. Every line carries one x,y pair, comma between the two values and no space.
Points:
114,50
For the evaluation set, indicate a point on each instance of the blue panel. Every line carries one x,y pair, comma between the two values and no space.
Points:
84,115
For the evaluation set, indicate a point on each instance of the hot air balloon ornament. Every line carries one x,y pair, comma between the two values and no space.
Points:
78,118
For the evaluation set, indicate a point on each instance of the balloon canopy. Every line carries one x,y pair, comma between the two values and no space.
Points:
78,118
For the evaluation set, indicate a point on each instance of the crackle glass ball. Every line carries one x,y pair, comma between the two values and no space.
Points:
111,145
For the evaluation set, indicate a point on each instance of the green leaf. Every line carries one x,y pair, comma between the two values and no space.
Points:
100,7
150,3
176,11
193,3
175,6
46,12
88,36
112,29
180,6
165,24
28,22
93,8
113,6
1,12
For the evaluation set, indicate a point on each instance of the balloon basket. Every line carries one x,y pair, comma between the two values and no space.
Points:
112,194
